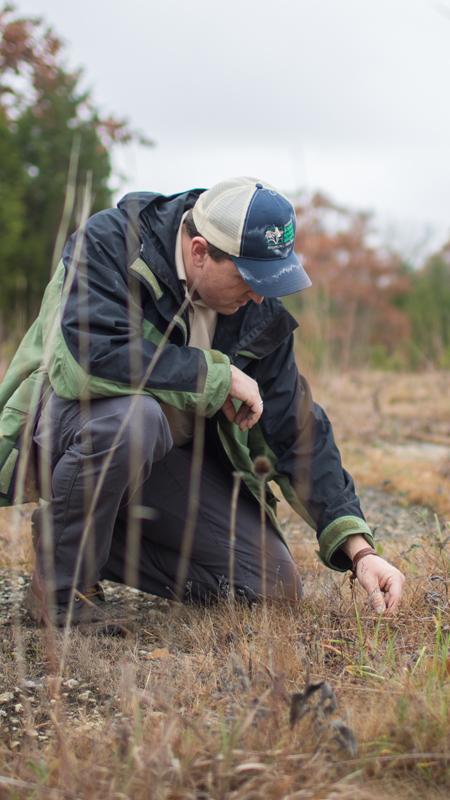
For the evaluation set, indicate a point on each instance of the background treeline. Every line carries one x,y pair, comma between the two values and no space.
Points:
368,306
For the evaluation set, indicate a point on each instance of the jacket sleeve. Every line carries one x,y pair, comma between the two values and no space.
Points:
307,460
101,347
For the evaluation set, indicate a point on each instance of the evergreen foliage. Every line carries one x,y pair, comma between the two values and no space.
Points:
44,115
428,307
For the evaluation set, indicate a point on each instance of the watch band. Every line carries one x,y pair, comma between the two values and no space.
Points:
366,551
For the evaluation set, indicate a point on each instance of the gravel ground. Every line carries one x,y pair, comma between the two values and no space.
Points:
397,528
395,524
392,520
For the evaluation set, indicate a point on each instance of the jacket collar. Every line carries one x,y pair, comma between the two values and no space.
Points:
157,218
257,328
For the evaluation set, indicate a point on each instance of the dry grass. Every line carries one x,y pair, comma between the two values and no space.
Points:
16,551
197,705
209,703
394,431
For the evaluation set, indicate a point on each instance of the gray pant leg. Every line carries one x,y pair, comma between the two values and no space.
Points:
156,564
77,440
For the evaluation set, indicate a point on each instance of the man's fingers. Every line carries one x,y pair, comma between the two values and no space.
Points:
247,415
245,389
383,583
377,600
393,589
244,412
229,410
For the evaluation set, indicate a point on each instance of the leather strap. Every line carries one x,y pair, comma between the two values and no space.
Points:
366,551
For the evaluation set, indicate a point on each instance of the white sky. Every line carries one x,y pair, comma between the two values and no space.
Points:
348,96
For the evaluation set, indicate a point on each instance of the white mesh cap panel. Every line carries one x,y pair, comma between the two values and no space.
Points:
219,213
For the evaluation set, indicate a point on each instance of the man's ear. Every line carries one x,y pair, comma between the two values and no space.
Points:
199,251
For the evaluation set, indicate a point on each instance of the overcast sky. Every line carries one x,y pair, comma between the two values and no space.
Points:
347,96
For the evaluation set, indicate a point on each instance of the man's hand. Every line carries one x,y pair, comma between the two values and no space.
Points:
382,581
245,389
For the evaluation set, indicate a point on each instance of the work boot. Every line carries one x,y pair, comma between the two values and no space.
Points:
89,608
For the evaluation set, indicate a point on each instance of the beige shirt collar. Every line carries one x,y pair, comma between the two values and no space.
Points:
179,262
203,323
181,269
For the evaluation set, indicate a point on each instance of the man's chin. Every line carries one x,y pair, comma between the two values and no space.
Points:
228,310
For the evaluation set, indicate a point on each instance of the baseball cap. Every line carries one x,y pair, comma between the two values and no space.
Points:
255,225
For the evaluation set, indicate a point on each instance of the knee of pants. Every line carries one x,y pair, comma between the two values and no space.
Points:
287,587
287,584
282,582
135,426
148,427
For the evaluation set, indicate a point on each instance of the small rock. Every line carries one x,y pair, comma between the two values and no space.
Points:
84,695
18,708
30,684
6,697
70,683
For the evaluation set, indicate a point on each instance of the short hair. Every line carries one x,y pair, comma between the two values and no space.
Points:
191,229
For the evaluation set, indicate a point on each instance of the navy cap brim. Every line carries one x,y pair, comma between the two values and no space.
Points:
273,278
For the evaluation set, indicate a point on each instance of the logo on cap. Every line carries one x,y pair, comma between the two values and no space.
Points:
279,237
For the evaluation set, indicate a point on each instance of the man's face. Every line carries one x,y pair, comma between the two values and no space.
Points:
220,285
222,288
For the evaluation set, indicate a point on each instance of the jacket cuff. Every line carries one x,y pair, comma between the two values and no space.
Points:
333,537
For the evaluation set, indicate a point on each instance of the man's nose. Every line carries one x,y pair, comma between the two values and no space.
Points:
257,298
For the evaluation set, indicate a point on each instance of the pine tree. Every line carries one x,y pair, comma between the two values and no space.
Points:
44,117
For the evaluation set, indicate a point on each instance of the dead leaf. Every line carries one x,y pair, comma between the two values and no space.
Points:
251,766
158,652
